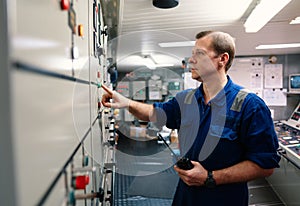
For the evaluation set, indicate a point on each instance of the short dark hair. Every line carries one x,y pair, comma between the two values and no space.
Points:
221,43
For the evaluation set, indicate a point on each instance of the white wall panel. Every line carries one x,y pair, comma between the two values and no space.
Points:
43,129
42,37
50,113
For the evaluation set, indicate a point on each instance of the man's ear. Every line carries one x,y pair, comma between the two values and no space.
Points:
223,59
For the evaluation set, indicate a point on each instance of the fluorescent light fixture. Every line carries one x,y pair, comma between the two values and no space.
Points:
278,46
148,62
296,20
177,44
263,13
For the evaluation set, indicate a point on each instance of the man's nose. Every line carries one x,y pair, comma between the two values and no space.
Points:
191,60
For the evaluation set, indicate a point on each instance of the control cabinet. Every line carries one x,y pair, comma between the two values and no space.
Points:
286,179
63,138
139,90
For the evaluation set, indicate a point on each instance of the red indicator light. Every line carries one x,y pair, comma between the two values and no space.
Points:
65,4
81,181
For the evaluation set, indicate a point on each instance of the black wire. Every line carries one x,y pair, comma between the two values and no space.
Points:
40,71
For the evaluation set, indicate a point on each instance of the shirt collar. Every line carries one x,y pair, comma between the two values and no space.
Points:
220,98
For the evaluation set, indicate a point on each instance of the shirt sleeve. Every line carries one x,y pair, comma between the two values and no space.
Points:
168,113
258,134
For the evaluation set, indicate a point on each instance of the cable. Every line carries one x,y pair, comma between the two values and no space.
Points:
40,71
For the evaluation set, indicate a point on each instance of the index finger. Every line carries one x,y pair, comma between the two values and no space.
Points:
107,89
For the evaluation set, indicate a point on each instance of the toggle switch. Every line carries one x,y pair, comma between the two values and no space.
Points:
72,197
74,52
99,104
111,128
85,160
64,4
79,182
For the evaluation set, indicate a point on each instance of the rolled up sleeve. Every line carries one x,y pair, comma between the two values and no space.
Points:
259,136
168,113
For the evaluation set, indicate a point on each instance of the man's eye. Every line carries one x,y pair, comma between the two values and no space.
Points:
199,53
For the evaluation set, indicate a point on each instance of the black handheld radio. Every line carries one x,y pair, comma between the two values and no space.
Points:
183,162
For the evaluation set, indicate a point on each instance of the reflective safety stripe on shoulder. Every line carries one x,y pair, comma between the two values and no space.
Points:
189,96
239,99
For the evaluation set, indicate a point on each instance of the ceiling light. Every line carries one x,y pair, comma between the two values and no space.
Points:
165,4
146,60
263,13
278,46
296,20
149,61
177,44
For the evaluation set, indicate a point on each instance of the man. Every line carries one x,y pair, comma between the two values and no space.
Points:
225,130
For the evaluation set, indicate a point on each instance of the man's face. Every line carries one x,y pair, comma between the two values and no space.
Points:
204,60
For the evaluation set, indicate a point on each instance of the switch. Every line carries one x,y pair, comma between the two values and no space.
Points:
74,52
99,104
85,160
72,199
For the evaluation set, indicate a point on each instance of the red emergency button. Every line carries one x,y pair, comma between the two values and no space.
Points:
65,4
79,182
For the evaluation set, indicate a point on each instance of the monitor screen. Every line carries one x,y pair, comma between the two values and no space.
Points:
294,83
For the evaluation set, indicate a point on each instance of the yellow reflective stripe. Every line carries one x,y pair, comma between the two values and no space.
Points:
239,99
189,96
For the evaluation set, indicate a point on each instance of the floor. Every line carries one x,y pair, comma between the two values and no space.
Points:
144,164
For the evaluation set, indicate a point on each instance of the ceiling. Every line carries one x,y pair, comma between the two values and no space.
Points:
142,26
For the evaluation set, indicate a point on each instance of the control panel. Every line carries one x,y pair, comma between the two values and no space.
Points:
139,90
59,68
288,133
154,89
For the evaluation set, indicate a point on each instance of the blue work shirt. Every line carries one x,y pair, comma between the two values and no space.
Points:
234,126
